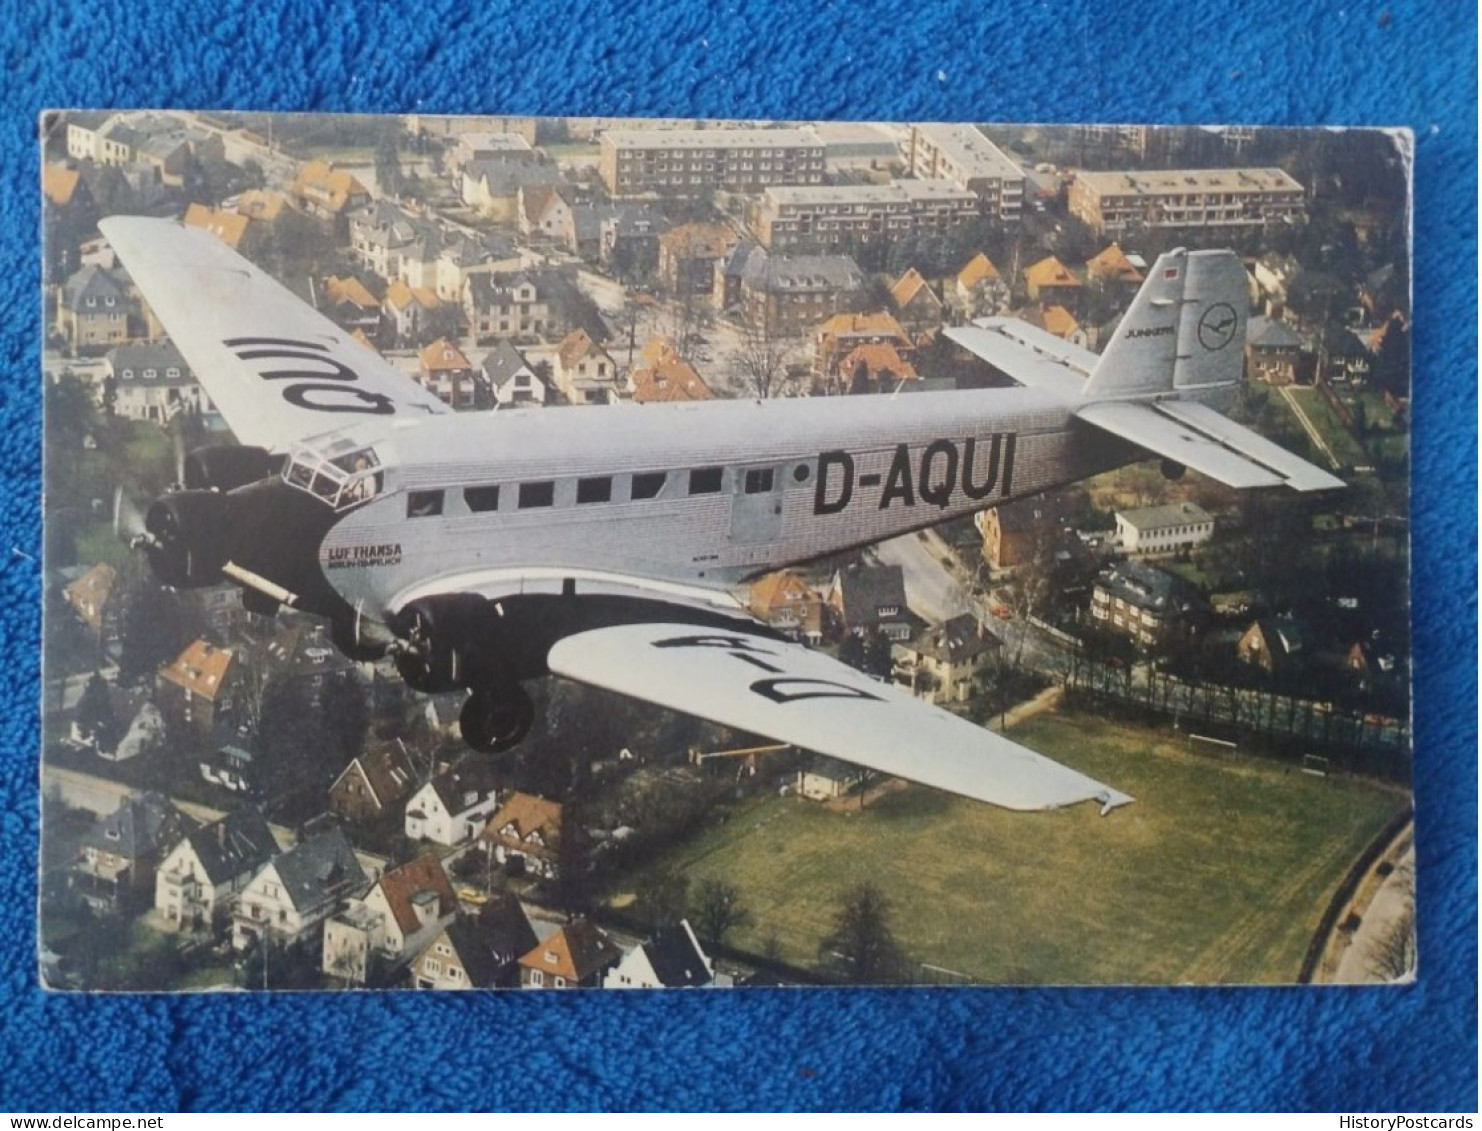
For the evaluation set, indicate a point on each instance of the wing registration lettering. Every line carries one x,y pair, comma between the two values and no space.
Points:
787,688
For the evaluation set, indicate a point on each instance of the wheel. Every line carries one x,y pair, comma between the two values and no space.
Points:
496,721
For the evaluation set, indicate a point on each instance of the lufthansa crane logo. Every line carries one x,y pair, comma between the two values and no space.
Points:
1217,326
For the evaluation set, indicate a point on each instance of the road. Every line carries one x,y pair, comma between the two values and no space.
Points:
933,592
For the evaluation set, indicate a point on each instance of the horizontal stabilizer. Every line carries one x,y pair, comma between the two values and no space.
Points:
1298,473
1198,437
791,694
1027,354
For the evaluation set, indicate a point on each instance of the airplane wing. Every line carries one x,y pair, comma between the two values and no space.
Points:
247,337
794,695
1196,436
1027,354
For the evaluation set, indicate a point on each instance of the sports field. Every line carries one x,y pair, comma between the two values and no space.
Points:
1218,873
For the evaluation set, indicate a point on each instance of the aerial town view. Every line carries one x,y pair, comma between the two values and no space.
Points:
532,553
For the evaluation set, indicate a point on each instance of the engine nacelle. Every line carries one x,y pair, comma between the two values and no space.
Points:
225,467
446,642
189,538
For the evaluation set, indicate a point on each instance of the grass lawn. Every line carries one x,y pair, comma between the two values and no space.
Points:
1348,450
1218,873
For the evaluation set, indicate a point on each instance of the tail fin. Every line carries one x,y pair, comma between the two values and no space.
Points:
1185,330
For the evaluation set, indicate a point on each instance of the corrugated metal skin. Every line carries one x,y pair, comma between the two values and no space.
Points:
688,538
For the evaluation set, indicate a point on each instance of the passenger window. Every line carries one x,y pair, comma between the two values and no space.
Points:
647,484
537,494
481,498
594,490
759,481
705,480
424,504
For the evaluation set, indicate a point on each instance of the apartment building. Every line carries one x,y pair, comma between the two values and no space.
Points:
690,162
963,155
1111,203
826,217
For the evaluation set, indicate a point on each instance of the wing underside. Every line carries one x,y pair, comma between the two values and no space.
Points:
1198,437
807,699
276,369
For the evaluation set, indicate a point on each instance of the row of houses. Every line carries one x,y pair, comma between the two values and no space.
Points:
372,924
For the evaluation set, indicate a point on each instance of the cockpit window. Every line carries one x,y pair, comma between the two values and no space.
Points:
342,473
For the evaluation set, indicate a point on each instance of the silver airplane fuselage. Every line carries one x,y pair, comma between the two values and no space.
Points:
686,499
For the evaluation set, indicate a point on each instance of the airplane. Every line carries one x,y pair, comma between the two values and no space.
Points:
483,551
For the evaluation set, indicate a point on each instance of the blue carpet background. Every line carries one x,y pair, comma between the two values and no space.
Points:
1298,62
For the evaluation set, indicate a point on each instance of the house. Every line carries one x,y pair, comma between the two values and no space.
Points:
443,369
326,192
581,228
1013,533
373,782
91,598
349,305
787,604
453,806
231,228
662,375
1050,281
1273,644
229,761
823,779
1163,530
1137,600
297,891
528,829
262,205
841,335
383,234
1347,360
915,302
874,368
628,242
505,306
872,597
544,211
1055,319
150,381
511,380
688,255
492,185
584,371
488,146
671,960
115,866
1112,268
1273,351
93,310
947,663
979,289
785,295
476,953
200,876
414,312
579,954
196,687
394,920
462,256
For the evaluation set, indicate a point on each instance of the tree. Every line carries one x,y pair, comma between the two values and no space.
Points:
346,716
96,721
762,359
152,631
664,896
718,909
861,938
879,659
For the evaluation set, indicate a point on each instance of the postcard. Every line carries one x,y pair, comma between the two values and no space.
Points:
593,553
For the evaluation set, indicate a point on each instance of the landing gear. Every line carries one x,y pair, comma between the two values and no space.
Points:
1172,469
494,721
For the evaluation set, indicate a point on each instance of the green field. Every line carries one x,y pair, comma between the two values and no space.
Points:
1325,419
1217,874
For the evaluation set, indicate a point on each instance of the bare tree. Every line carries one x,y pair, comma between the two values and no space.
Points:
762,359
718,909
862,939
